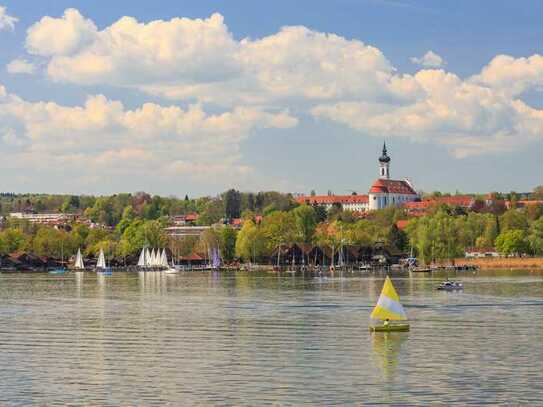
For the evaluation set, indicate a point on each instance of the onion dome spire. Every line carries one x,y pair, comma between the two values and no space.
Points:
384,157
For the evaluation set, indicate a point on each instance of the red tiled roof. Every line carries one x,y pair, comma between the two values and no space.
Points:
236,222
457,200
418,205
530,202
332,199
191,217
392,187
192,257
402,224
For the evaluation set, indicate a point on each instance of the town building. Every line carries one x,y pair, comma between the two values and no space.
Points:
387,192
51,219
354,203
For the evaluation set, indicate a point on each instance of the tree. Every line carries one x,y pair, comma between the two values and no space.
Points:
306,221
535,236
126,220
538,192
514,219
250,242
279,228
232,204
228,243
397,238
320,213
212,212
512,242
12,240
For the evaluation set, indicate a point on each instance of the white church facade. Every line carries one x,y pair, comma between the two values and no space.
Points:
387,192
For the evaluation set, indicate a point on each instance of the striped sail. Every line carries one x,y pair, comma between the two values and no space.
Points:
388,306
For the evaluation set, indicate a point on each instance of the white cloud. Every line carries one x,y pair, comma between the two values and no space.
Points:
468,118
60,36
102,137
7,22
339,79
20,66
428,60
512,75
199,58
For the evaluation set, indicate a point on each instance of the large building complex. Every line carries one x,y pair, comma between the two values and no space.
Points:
383,193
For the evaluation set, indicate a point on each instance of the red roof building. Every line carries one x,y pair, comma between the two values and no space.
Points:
355,203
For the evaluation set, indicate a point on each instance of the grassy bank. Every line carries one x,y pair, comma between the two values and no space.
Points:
503,262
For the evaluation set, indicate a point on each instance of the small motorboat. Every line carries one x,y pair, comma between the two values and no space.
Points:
450,286
58,271
171,270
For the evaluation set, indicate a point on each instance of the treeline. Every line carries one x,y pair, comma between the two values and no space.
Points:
270,219
108,210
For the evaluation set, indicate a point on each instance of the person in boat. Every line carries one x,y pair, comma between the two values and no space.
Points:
386,322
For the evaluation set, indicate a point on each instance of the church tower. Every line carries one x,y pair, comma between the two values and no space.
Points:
384,164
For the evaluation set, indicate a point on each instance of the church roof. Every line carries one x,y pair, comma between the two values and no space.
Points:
390,186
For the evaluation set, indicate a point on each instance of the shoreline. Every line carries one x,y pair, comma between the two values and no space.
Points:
502,262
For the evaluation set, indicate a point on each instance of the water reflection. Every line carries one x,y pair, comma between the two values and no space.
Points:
386,351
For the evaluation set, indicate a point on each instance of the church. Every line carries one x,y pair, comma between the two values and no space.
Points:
383,193
388,192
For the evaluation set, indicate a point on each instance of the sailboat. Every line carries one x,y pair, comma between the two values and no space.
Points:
216,259
79,265
170,269
142,262
389,308
101,266
62,269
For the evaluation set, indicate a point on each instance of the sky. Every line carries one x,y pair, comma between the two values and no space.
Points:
195,97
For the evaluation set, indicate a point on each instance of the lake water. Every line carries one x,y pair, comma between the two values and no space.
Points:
266,339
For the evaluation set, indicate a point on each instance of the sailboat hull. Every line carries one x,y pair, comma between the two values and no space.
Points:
390,328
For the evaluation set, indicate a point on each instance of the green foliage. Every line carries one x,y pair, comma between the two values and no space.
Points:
54,243
514,219
306,222
512,242
250,242
535,237
279,228
13,240
435,237
228,243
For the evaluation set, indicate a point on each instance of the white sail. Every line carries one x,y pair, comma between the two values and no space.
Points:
79,265
152,260
101,260
164,259
141,261
147,258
